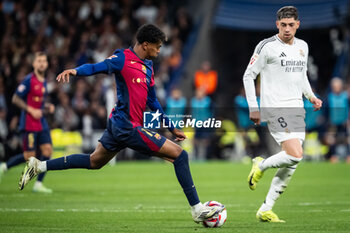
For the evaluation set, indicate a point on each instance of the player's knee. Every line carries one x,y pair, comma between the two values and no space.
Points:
297,153
182,158
28,154
95,165
47,152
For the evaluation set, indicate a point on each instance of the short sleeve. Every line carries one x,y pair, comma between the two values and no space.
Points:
115,62
23,88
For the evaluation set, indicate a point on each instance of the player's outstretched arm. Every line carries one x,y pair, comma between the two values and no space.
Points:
84,70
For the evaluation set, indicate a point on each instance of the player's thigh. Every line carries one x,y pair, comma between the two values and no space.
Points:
293,147
152,143
101,156
169,151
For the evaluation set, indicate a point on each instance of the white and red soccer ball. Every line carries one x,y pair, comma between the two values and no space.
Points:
217,220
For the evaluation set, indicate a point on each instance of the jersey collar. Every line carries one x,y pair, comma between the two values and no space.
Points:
279,39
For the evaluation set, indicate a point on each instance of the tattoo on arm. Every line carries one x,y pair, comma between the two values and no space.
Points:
19,102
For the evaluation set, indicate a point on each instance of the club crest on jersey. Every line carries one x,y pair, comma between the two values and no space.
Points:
144,69
253,59
302,53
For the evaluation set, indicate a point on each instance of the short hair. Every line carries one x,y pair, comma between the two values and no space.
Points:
288,12
39,54
150,33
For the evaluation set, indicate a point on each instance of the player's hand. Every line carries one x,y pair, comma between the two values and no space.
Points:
317,103
64,76
50,108
36,113
180,136
255,117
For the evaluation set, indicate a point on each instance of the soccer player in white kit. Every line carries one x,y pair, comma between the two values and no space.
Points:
281,61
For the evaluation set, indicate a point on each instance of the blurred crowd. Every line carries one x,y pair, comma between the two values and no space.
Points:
73,33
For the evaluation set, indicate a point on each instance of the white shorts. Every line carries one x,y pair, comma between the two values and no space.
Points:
283,127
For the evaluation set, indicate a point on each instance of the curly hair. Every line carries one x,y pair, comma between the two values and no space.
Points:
150,33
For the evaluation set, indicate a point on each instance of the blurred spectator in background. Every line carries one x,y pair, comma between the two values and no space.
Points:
176,105
65,116
338,114
206,78
201,110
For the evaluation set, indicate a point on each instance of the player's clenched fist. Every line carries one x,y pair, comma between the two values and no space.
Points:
317,103
255,117
64,76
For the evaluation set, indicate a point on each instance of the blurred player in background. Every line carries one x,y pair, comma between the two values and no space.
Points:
281,60
30,97
135,87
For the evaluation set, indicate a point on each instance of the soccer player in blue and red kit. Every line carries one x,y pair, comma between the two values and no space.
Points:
135,87
30,97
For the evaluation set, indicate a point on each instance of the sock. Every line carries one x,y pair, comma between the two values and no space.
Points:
183,174
281,159
42,174
67,162
278,186
15,160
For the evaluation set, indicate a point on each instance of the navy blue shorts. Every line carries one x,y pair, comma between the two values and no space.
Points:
31,140
142,140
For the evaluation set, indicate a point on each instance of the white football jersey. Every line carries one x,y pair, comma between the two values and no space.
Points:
282,68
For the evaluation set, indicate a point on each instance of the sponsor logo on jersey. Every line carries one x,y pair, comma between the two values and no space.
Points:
132,62
283,54
139,80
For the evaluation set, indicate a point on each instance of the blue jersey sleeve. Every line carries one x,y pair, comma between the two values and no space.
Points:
153,104
23,88
90,69
112,64
115,62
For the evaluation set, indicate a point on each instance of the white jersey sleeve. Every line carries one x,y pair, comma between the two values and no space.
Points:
307,91
256,64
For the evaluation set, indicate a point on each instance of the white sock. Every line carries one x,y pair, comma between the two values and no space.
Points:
278,186
42,166
281,159
38,183
197,207
3,167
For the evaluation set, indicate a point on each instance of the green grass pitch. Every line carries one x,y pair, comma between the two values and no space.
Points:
145,197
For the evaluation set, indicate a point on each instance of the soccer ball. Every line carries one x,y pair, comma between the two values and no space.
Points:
219,219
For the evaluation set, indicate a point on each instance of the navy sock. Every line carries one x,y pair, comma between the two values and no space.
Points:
71,161
183,174
15,160
41,175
